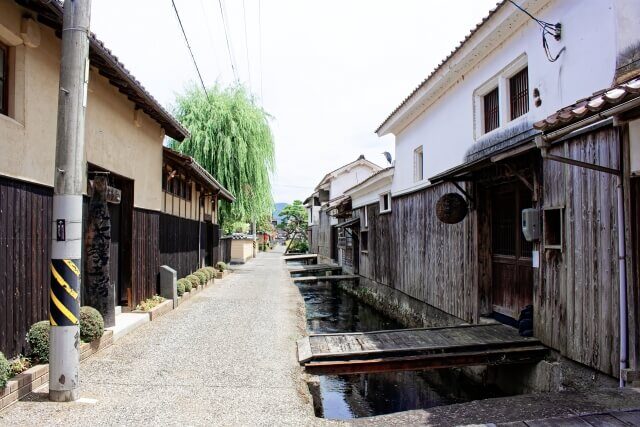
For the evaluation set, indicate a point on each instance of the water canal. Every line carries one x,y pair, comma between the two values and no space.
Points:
330,309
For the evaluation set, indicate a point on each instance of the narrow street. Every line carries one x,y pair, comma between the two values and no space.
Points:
226,357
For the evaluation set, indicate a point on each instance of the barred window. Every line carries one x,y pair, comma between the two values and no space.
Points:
491,111
519,93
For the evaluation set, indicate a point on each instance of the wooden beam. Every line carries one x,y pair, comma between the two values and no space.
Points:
431,361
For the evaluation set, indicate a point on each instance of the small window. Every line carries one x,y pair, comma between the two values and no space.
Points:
491,111
385,202
519,94
553,228
165,177
418,164
364,241
4,80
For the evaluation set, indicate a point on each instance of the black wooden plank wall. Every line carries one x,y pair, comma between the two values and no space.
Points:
179,243
146,254
25,229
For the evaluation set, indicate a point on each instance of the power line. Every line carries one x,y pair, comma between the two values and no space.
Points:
189,47
226,35
246,41
211,38
260,44
554,30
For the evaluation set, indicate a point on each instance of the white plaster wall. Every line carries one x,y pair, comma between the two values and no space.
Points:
113,141
446,128
348,179
370,194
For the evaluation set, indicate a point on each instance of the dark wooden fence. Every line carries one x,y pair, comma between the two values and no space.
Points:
146,254
179,244
225,250
25,249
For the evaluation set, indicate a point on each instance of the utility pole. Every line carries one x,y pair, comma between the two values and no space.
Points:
66,249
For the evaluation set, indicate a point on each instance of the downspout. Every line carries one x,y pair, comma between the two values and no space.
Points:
542,142
199,229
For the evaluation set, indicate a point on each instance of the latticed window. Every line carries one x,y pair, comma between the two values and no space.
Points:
519,93
491,111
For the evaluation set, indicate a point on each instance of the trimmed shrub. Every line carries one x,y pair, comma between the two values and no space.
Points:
180,287
195,280
210,274
221,266
187,284
202,276
38,339
5,370
91,324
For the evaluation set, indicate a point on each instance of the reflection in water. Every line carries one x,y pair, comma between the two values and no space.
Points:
330,309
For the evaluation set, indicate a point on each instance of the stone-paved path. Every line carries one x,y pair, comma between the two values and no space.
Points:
227,356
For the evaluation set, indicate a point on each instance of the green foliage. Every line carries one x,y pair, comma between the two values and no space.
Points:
194,280
295,224
150,303
299,246
202,276
180,287
38,339
91,324
231,138
18,365
5,370
187,284
235,227
221,266
209,272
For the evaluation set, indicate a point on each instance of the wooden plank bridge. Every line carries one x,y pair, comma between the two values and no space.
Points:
306,258
411,349
330,278
317,269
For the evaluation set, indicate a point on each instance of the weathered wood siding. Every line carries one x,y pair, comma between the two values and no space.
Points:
321,236
576,302
146,254
25,249
225,249
412,251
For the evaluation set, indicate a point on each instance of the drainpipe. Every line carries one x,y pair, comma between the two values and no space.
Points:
542,143
623,281
199,229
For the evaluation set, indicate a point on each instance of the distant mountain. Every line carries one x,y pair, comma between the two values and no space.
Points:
276,212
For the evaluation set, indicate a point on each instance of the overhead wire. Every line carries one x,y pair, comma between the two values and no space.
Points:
260,44
246,41
226,35
186,39
553,30
211,38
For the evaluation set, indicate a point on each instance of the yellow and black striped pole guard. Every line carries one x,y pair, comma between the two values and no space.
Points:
64,306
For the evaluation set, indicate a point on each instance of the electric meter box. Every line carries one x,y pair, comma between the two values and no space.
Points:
531,224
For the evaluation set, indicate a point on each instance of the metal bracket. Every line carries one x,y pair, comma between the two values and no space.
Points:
468,196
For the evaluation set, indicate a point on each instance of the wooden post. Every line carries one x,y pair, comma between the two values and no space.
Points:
100,290
66,245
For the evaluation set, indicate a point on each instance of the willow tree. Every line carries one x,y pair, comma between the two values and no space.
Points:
232,140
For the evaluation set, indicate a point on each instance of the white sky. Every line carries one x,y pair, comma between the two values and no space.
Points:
329,73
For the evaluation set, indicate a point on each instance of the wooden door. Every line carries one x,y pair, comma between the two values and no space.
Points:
512,277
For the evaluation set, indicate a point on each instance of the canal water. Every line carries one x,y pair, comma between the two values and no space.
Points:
329,309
